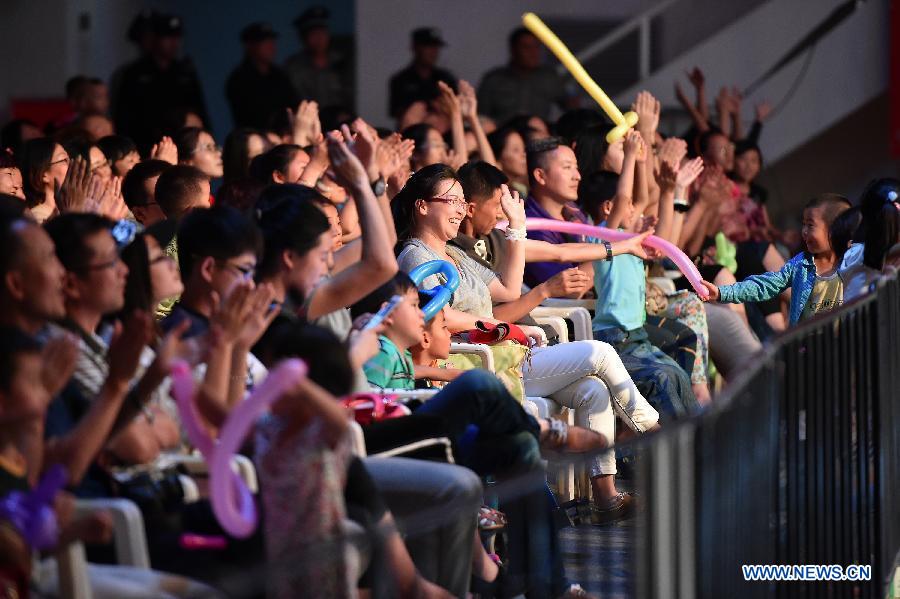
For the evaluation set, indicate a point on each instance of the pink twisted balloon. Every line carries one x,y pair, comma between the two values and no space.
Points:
231,499
670,250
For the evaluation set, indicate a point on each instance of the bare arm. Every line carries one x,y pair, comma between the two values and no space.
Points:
469,106
622,202
509,286
572,282
78,448
377,263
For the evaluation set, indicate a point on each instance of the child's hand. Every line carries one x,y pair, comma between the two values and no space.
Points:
572,282
634,144
713,292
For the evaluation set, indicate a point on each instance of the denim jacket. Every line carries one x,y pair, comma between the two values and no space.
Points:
799,273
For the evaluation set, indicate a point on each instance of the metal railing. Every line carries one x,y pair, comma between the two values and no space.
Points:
798,464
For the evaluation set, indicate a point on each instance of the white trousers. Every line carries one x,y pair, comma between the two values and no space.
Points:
589,378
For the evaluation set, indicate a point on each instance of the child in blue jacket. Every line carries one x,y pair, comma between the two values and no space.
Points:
812,275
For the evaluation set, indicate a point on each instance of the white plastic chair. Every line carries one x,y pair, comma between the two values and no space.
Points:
129,540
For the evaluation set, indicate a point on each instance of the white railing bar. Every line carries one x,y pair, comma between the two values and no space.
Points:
618,33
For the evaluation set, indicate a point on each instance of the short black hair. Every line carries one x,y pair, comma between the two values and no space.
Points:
116,147
832,205
480,180
11,134
133,190
591,148
13,343
276,159
176,186
69,233
537,152
219,232
596,188
399,284
290,219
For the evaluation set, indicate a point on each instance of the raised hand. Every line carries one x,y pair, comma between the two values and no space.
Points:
673,149
448,103
763,110
129,341
687,174
513,207
72,195
468,101
393,153
633,145
165,150
366,146
647,108
348,170
305,124
667,175
260,315
171,348
695,76
455,160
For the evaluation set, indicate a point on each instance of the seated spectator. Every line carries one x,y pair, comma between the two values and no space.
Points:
139,191
241,147
181,188
478,398
24,394
582,375
619,314
44,164
299,242
120,152
197,148
373,487
10,176
509,148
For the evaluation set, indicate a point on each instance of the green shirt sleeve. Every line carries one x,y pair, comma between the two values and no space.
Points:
389,368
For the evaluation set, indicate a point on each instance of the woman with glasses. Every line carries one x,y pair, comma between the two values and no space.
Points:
197,148
44,164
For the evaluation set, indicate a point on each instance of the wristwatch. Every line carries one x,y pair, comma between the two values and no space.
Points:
379,186
608,246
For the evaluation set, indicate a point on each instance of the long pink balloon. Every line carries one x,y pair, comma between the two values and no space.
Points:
681,260
231,499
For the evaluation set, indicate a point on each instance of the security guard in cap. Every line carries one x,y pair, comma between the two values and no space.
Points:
418,81
157,84
258,90
319,71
